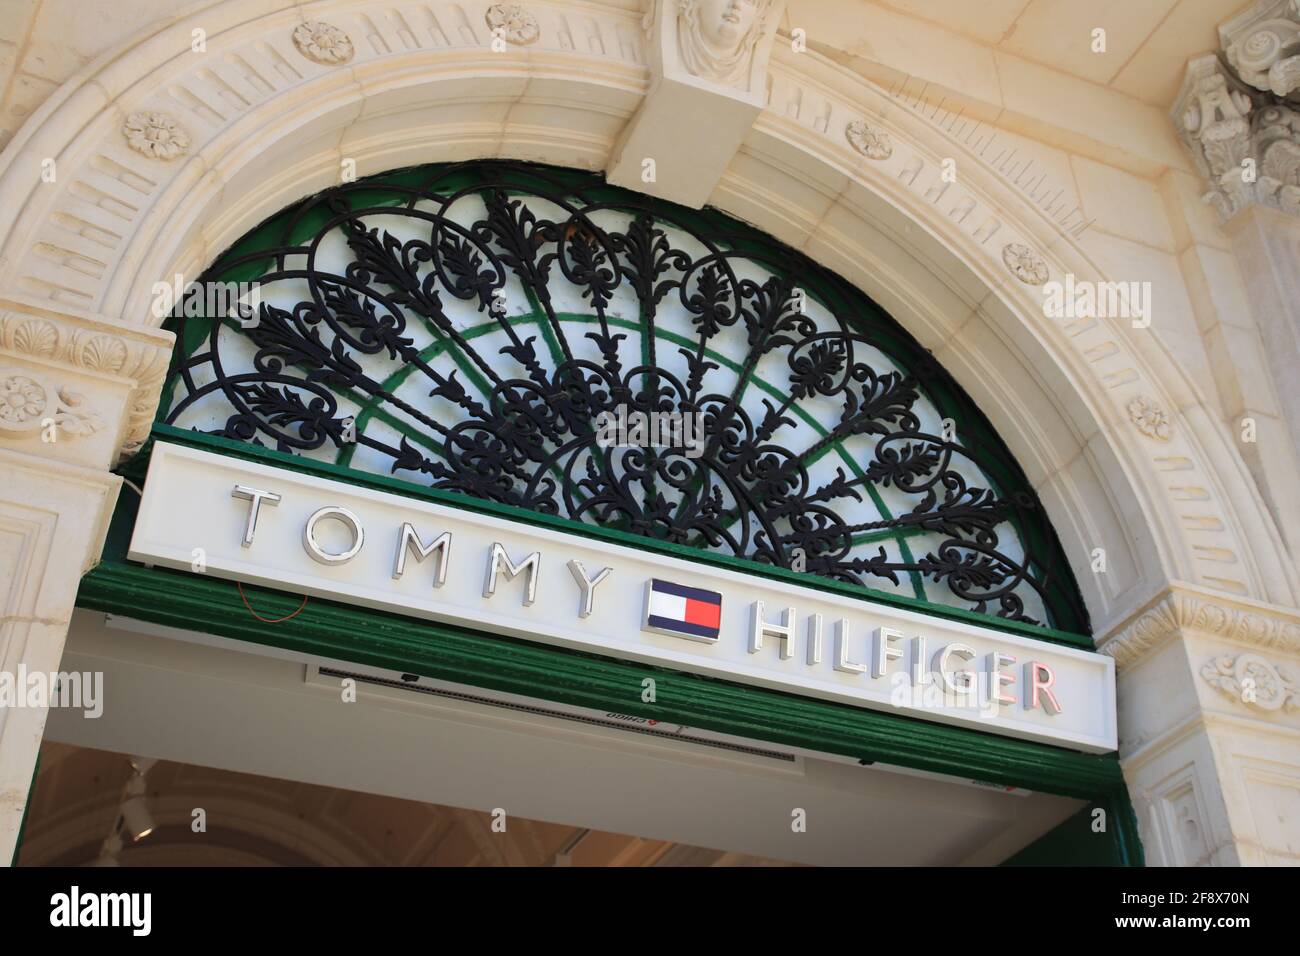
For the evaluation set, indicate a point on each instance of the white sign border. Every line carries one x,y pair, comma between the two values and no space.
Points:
156,550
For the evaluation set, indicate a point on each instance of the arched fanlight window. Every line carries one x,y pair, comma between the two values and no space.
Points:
485,327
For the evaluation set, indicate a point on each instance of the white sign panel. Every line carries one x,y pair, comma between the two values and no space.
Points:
270,526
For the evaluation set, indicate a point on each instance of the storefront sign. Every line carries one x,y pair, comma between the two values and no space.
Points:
211,514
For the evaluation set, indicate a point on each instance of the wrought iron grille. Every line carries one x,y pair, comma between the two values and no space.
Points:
473,327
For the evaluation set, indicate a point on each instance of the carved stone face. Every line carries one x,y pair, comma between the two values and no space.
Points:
717,37
726,22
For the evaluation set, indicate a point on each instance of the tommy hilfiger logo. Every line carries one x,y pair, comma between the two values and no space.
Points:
681,611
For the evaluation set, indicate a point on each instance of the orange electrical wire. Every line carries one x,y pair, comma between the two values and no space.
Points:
267,620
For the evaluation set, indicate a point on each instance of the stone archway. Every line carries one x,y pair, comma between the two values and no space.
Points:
164,156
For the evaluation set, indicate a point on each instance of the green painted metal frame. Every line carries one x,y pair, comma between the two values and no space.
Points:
292,225
337,631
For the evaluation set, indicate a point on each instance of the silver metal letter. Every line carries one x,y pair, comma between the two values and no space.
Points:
1040,678
500,561
814,639
884,652
410,541
842,662
997,680
313,547
941,665
588,585
761,628
918,661
256,497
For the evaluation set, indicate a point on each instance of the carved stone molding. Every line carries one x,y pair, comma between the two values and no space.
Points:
871,141
155,135
30,403
512,23
1151,420
1025,264
1253,681
322,43
1245,144
1263,46
138,354
716,40
1184,609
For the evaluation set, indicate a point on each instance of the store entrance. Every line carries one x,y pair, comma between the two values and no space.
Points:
397,748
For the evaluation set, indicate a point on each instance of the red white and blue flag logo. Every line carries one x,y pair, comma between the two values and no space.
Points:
682,611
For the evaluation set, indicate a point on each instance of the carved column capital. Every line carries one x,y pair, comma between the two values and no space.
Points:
74,386
1245,145
1183,608
1263,45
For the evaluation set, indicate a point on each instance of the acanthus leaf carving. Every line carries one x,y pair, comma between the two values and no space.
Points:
1245,143
1181,609
1263,46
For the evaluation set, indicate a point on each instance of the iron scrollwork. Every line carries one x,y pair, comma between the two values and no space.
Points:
516,423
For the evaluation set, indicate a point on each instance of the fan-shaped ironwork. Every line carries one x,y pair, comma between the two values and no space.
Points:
468,326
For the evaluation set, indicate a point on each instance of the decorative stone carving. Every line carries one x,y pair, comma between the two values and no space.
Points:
26,406
155,135
871,141
1263,46
97,350
1179,610
35,338
22,400
716,39
516,25
1025,264
1254,681
1150,419
322,42
1246,146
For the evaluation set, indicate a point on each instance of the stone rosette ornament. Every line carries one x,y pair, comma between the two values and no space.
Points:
871,141
512,23
1150,419
22,399
26,406
155,135
1025,264
323,43
1254,681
